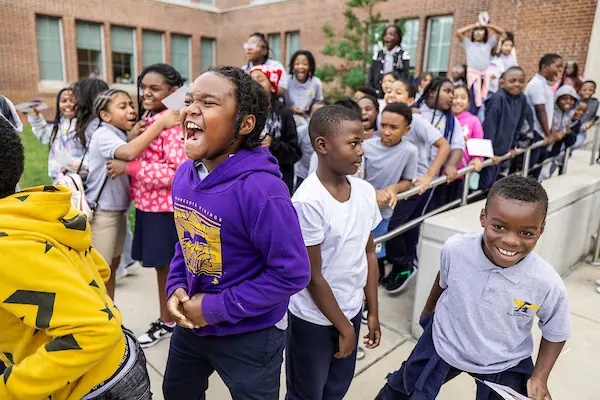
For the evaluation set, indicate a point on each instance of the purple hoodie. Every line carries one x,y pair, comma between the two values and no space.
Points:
239,242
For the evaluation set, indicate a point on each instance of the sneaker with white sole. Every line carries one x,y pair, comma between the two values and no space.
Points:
133,268
157,332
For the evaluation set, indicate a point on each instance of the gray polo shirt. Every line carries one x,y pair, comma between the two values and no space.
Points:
115,195
302,95
385,166
479,54
423,135
539,91
483,319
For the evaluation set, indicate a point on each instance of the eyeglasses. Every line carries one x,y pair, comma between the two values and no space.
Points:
250,46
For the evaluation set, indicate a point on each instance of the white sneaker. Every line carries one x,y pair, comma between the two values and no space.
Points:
157,332
598,282
121,273
360,353
133,268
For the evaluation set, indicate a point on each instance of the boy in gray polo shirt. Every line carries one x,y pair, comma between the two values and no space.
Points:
489,288
390,165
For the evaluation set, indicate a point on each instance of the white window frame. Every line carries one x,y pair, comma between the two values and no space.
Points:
52,82
427,39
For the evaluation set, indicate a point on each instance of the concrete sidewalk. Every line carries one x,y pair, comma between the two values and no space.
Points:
573,376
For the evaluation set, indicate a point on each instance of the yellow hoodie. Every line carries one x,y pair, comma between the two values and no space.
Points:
60,334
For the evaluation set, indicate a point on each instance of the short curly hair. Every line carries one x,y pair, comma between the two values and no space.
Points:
251,99
516,187
12,159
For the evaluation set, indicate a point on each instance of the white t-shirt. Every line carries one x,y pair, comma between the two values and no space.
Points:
342,230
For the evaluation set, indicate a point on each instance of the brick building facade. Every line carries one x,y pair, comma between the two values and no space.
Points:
214,31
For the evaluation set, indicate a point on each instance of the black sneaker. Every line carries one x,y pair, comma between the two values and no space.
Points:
398,279
157,332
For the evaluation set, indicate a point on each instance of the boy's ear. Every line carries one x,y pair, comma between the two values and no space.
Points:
482,217
248,124
321,145
104,116
411,101
406,130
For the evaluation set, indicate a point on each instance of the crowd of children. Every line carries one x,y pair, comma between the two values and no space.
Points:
258,204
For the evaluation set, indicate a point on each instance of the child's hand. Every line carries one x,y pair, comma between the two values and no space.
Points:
477,164
451,172
383,197
137,129
374,337
495,160
537,389
347,343
266,142
513,152
193,310
298,111
170,119
116,168
175,308
393,197
423,182
415,110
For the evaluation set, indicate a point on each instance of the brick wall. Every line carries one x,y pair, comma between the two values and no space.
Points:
540,26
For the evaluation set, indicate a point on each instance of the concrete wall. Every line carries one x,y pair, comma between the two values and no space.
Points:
592,64
573,216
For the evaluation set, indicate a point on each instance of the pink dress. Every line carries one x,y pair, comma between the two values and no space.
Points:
153,171
471,129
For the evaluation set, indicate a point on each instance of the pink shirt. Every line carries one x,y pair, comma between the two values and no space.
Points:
471,129
153,171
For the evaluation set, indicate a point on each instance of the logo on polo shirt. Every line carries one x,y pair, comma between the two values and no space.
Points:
522,307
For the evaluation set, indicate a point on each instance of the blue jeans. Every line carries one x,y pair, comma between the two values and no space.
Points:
248,363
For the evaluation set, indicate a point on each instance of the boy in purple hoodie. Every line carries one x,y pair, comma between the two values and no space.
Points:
240,254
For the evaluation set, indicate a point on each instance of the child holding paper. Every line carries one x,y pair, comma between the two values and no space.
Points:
152,174
469,123
480,312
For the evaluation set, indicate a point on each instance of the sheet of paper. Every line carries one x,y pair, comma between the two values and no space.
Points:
480,147
28,106
506,392
176,100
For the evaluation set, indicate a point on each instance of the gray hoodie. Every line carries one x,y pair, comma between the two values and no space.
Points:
562,119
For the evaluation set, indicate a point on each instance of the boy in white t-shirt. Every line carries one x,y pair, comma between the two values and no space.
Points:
337,213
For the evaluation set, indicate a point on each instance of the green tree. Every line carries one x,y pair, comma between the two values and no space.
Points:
353,47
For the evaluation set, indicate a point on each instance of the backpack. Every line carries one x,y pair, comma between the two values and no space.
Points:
73,181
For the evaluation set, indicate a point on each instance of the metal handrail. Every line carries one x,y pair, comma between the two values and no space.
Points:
466,171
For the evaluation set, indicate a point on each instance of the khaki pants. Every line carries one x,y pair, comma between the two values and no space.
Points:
108,233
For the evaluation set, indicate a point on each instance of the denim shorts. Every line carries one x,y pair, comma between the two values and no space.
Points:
135,385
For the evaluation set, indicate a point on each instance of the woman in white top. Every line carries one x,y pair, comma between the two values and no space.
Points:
257,53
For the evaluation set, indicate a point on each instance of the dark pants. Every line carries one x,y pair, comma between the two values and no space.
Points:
248,363
311,371
402,250
421,376
488,176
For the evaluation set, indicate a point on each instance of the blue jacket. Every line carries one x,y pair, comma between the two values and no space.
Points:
504,115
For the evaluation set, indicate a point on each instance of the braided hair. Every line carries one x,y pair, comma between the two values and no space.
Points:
57,115
435,86
104,99
172,77
251,99
86,91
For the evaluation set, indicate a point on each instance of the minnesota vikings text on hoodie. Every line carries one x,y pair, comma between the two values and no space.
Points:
240,243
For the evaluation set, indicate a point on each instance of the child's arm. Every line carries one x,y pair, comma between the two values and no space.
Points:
395,189
41,129
323,296
500,32
48,293
542,116
461,33
443,150
537,386
374,335
434,296
136,146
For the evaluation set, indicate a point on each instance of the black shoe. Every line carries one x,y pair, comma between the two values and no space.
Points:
399,278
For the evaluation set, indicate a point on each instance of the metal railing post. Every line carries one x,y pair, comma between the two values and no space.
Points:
465,190
526,160
566,160
595,144
596,255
